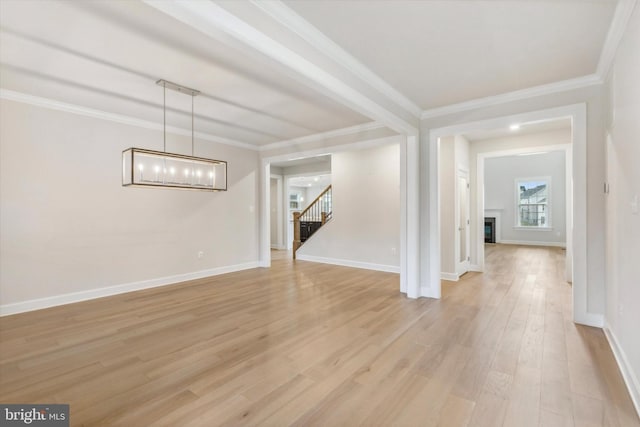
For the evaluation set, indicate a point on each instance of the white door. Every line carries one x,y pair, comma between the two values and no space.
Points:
463,241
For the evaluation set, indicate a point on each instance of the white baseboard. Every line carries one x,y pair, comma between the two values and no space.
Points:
40,303
629,376
588,319
476,268
349,263
429,292
452,277
278,247
533,243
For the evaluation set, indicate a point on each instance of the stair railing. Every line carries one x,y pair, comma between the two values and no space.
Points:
313,217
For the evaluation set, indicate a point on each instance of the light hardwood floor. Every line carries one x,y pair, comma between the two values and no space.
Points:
310,344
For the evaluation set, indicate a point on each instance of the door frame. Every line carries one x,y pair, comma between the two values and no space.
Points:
280,240
464,266
409,206
577,224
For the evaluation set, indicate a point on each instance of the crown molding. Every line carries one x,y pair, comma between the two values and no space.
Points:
316,38
113,117
562,86
323,136
621,17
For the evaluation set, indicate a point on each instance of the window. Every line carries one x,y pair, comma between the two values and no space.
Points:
533,202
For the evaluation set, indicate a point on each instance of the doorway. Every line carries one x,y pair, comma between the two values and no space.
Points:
576,253
463,245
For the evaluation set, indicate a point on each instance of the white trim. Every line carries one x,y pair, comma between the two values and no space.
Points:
264,229
533,243
212,19
621,17
433,288
628,375
452,277
52,104
295,23
430,291
411,252
576,245
589,319
531,228
280,219
561,86
462,266
475,267
403,218
322,136
40,303
349,263
326,151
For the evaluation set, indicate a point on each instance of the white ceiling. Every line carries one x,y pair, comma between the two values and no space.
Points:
317,160
439,53
525,128
310,181
107,55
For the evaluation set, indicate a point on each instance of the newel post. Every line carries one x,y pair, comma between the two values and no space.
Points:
324,218
296,233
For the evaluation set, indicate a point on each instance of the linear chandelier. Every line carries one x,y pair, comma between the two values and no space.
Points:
149,168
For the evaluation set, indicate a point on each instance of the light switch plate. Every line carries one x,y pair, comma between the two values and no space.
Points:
634,205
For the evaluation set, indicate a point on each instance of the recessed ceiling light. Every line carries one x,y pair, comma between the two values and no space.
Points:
514,127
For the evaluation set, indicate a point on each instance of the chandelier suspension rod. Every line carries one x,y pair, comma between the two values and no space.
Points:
164,117
192,131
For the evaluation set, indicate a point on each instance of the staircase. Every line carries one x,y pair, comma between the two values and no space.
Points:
310,220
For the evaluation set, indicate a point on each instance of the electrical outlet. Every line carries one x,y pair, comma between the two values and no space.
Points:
393,251
200,254
620,310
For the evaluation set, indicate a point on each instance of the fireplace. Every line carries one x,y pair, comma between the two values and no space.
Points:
489,230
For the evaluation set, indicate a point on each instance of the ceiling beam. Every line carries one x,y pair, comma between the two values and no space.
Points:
302,61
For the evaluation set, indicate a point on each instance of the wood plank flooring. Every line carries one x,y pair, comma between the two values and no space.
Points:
310,344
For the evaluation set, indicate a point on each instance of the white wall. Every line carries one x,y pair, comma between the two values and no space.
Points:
68,226
313,192
623,221
273,192
500,174
447,207
454,157
302,193
462,152
319,168
365,228
488,146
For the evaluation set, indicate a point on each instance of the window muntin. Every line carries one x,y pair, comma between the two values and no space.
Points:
533,202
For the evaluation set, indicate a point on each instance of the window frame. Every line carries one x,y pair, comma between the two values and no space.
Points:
548,205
